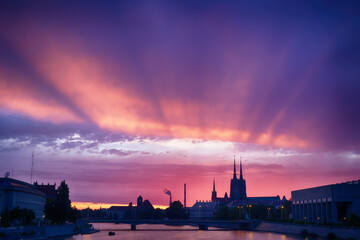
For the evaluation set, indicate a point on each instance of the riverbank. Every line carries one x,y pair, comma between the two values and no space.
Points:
321,231
35,232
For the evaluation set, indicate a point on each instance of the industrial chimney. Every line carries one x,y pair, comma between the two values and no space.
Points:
184,195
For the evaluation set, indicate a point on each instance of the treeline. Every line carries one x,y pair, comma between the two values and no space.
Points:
17,216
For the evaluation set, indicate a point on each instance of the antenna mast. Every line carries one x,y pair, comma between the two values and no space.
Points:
32,167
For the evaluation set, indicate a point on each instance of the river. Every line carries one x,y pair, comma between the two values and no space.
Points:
162,232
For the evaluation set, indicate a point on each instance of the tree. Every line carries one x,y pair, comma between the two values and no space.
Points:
59,211
159,214
17,216
176,210
63,203
5,218
354,220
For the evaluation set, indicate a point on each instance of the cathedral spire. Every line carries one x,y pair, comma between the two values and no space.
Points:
241,174
234,168
214,185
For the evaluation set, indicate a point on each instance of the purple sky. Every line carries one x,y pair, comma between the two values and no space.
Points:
122,98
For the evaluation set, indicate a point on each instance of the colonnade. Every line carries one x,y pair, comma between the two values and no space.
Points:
315,210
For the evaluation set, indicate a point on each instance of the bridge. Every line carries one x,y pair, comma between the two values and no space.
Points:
202,224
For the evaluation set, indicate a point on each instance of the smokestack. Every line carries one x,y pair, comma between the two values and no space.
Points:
168,192
184,195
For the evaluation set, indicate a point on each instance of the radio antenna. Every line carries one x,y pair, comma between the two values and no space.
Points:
32,167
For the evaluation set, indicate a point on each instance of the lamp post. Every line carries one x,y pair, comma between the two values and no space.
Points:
282,209
241,211
250,211
268,210
199,210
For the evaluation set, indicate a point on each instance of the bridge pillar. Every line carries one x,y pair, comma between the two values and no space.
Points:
203,227
133,227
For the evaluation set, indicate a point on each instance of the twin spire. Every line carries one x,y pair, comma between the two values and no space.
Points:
241,174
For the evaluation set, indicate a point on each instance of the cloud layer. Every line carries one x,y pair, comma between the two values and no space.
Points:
83,80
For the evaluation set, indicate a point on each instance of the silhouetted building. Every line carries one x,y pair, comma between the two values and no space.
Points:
15,193
238,196
49,189
120,212
139,200
143,210
238,186
222,201
237,189
331,203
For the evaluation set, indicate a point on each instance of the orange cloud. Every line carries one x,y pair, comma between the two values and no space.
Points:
92,205
108,96
26,100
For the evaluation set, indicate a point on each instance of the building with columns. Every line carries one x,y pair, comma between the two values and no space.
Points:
15,193
331,203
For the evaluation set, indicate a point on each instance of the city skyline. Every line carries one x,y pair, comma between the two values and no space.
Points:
122,99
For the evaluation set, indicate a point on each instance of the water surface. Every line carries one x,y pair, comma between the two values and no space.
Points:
162,232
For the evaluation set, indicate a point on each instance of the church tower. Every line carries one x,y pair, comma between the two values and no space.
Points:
213,194
242,184
234,186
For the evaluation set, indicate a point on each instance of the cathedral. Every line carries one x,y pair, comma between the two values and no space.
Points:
238,195
237,188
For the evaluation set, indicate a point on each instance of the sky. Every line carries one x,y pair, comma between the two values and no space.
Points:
126,98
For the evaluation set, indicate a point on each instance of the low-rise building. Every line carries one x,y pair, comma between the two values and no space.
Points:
274,201
203,210
15,193
331,203
120,212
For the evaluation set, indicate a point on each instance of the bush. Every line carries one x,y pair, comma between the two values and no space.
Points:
304,233
313,235
331,236
23,215
354,220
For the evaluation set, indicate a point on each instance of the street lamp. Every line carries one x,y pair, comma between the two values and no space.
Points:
268,209
250,211
199,210
282,215
239,212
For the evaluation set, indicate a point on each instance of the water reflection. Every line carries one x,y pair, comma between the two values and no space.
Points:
162,232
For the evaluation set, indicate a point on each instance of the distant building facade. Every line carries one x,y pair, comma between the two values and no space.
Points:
268,201
203,210
331,203
144,209
119,212
15,193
